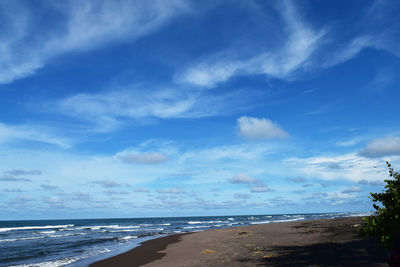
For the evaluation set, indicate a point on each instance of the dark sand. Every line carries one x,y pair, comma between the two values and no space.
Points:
333,242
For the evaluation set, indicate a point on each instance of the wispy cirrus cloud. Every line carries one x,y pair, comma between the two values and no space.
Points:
35,133
81,25
110,109
301,41
353,167
304,47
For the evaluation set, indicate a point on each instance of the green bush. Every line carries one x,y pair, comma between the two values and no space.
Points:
385,222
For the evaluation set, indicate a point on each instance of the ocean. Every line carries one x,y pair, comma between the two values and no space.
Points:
81,242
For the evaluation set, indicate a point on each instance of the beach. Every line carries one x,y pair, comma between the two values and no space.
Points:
327,242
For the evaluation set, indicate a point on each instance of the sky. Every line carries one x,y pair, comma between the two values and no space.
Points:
186,108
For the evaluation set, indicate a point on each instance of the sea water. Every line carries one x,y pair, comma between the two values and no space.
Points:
81,242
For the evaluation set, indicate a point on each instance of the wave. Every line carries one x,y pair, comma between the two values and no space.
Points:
21,239
291,220
98,227
208,222
47,232
5,229
126,238
55,263
39,237
195,227
260,222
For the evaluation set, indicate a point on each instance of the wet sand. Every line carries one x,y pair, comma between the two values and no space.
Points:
332,242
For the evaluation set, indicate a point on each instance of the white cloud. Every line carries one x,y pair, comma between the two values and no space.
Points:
11,133
382,147
135,103
18,172
353,189
141,190
296,179
259,129
144,158
241,196
300,44
81,25
175,191
352,167
108,183
260,189
350,142
241,178
10,178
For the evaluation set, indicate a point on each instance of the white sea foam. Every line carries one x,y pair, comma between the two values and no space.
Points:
56,263
98,227
55,236
153,229
47,232
21,239
290,220
194,227
126,238
6,229
260,222
123,230
195,222
231,219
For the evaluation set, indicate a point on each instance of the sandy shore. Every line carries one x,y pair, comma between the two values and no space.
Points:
332,242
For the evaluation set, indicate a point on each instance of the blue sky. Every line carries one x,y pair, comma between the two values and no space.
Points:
177,108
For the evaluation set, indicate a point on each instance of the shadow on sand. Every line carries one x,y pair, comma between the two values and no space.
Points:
363,252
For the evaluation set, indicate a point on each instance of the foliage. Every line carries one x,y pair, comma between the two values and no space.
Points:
385,223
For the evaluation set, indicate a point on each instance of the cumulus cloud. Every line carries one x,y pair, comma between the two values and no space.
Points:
296,179
21,200
256,185
259,129
10,178
353,189
260,189
114,192
13,190
371,183
80,26
241,196
48,187
353,167
241,178
382,147
144,158
107,183
175,191
17,172
141,190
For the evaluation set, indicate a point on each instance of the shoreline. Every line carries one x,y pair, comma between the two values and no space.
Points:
326,242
